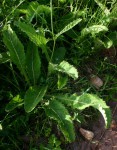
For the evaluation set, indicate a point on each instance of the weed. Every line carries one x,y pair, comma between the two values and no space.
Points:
44,43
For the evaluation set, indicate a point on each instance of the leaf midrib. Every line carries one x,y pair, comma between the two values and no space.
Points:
16,52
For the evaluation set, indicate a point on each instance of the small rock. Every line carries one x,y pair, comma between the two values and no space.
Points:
89,135
96,81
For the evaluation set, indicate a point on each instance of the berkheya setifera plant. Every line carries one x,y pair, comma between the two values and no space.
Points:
29,62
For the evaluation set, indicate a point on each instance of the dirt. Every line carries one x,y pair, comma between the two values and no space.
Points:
104,139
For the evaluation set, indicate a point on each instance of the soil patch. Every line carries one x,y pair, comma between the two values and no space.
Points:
104,139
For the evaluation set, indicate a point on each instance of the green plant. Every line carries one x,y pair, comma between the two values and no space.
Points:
46,56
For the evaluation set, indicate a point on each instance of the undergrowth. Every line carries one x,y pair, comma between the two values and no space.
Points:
49,50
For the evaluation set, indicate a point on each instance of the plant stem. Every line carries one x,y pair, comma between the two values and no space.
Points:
52,28
51,18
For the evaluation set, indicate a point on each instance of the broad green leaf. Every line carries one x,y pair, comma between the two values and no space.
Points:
67,99
95,29
33,96
15,47
64,67
14,103
37,38
4,57
58,55
85,101
58,112
62,80
34,9
33,63
68,27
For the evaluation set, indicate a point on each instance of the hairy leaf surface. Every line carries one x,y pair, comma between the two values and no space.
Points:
58,112
95,29
68,27
15,47
36,38
64,67
85,101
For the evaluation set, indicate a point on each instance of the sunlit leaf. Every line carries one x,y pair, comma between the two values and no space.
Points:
14,103
33,96
58,112
37,38
64,67
84,101
15,47
95,29
62,80
68,27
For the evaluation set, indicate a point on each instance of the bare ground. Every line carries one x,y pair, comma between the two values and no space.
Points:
104,139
